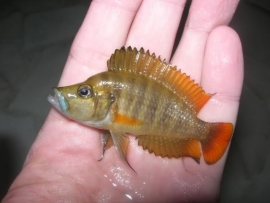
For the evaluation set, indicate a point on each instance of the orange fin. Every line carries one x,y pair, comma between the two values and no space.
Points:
143,63
219,137
121,142
166,146
126,120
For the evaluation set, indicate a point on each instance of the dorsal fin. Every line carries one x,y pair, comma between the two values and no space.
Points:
143,63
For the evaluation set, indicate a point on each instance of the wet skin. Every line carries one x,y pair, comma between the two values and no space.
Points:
62,163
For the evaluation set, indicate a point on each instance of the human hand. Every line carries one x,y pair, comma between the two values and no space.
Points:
62,163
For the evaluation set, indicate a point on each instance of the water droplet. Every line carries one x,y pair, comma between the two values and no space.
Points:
128,196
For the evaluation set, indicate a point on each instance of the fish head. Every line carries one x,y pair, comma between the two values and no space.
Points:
82,102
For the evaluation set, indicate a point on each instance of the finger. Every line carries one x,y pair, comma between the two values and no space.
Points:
222,75
155,26
204,16
105,27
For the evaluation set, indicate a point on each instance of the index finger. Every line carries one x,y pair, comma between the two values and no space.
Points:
105,27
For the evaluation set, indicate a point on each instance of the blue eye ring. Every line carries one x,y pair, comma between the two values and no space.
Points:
85,91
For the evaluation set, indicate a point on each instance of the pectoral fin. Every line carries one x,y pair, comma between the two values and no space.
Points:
122,119
121,142
166,146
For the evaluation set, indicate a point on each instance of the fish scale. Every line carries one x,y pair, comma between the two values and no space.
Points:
139,105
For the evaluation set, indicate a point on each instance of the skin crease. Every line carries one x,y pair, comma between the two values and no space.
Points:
62,162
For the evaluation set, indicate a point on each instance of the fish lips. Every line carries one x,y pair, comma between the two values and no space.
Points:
58,101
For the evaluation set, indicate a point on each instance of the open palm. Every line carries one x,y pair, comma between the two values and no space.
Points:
62,163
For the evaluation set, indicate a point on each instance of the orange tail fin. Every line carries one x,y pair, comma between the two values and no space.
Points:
218,139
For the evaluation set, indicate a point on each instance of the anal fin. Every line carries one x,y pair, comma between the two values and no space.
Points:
167,146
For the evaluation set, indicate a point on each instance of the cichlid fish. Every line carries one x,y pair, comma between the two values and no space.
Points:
142,95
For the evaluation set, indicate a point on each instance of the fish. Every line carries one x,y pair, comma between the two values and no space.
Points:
147,97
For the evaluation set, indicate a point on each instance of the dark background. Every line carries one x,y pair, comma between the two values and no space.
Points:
35,37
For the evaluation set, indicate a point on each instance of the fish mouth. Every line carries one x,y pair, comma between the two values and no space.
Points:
58,101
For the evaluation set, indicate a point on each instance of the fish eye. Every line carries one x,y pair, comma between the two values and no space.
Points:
85,91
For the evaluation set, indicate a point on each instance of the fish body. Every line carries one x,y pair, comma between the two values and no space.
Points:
149,98
148,105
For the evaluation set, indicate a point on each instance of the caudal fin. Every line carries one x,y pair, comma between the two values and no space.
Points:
218,139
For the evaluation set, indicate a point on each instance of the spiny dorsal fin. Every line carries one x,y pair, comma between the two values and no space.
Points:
143,63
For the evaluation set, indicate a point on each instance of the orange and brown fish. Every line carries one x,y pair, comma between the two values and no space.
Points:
142,95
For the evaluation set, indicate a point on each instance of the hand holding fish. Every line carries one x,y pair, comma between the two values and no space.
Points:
170,115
